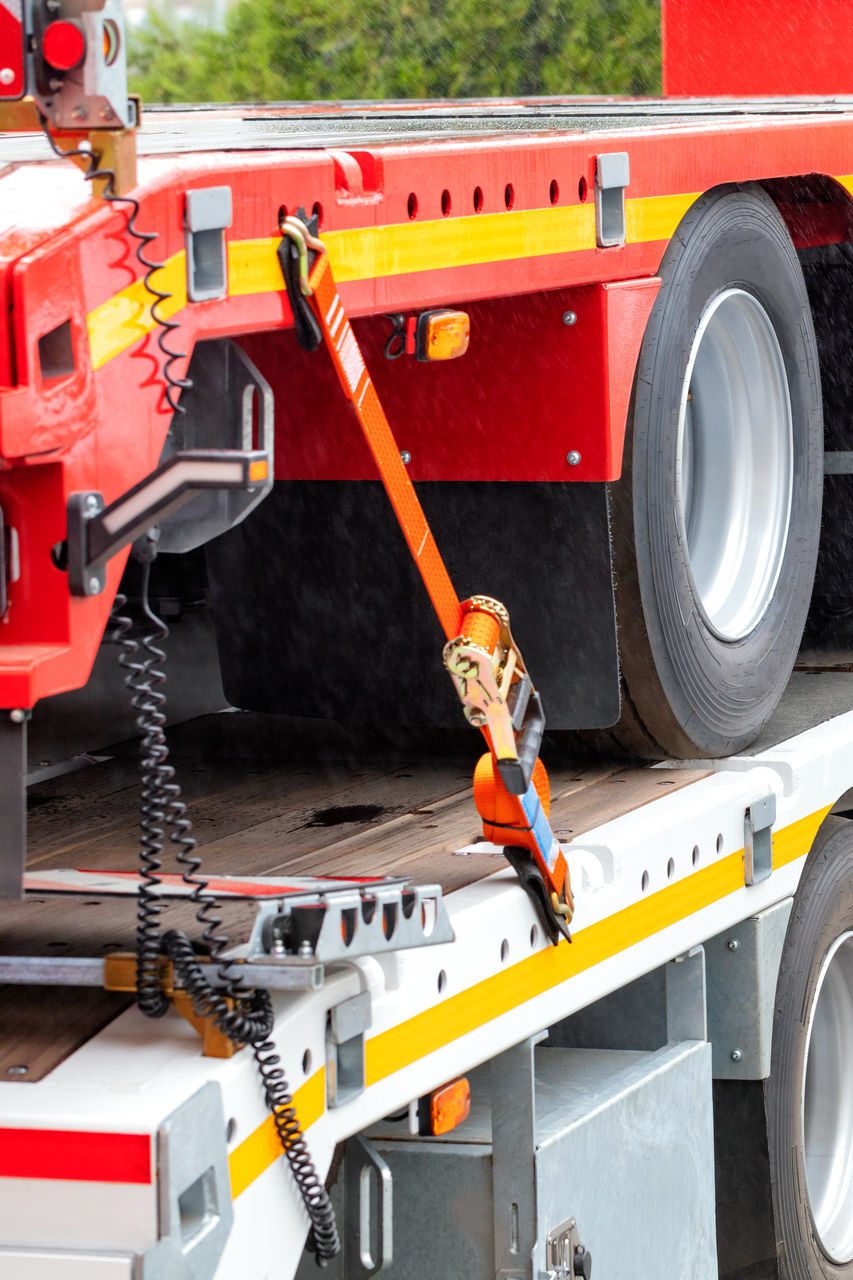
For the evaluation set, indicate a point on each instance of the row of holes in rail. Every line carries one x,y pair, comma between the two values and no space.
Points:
695,859
478,201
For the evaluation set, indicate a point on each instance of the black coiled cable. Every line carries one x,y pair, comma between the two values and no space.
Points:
250,1021
147,704
326,1241
244,1016
174,385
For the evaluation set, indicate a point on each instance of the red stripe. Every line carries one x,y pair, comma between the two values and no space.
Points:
75,1156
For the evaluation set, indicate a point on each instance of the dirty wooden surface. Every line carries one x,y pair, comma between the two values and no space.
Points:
348,807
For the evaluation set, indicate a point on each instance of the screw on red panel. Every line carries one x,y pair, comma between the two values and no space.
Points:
63,45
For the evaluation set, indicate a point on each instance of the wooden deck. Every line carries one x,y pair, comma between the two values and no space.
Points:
351,805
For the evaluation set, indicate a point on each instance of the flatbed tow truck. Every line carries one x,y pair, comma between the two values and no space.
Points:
580,342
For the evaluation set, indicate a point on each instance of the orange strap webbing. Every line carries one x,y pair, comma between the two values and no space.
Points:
358,386
325,303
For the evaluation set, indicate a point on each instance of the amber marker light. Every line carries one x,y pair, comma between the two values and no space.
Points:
258,470
112,41
442,335
445,1108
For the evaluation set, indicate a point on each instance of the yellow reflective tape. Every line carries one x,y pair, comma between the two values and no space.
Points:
117,323
262,1148
454,1017
478,1005
655,217
374,253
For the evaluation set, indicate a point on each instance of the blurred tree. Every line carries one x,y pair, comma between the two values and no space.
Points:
315,49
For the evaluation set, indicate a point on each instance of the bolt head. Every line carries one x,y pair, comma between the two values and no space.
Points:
305,948
16,1071
736,1055
91,506
80,112
7,75
573,457
732,944
17,716
95,586
477,719
405,457
569,318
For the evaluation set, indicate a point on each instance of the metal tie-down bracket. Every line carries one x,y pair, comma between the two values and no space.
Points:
339,924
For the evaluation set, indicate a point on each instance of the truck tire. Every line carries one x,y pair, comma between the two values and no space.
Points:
809,1094
717,515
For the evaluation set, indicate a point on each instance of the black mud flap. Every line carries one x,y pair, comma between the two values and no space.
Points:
320,611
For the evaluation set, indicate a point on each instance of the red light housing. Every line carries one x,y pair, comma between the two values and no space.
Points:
63,45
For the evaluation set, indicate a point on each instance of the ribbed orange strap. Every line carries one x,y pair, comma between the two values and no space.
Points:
359,389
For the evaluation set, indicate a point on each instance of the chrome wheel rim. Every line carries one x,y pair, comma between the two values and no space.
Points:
827,1104
734,463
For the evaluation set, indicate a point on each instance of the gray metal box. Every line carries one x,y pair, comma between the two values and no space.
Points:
624,1144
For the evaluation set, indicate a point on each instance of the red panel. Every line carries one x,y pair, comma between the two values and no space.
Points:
11,49
73,1156
627,307
58,404
529,390
742,47
467,419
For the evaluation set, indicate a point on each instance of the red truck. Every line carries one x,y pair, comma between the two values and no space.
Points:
609,342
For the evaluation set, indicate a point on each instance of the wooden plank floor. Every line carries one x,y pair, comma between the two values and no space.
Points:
350,806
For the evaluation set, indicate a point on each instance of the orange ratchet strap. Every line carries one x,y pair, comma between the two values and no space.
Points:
480,654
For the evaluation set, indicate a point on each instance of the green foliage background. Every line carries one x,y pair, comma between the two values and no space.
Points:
274,50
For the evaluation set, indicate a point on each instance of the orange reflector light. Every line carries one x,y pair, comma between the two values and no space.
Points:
445,1108
112,41
442,335
258,470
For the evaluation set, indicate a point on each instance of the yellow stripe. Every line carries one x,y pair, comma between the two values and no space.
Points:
374,253
262,1148
117,323
409,1041
496,995
655,217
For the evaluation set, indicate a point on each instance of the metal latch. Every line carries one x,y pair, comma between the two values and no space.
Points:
758,840
565,1256
612,175
207,215
345,1028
